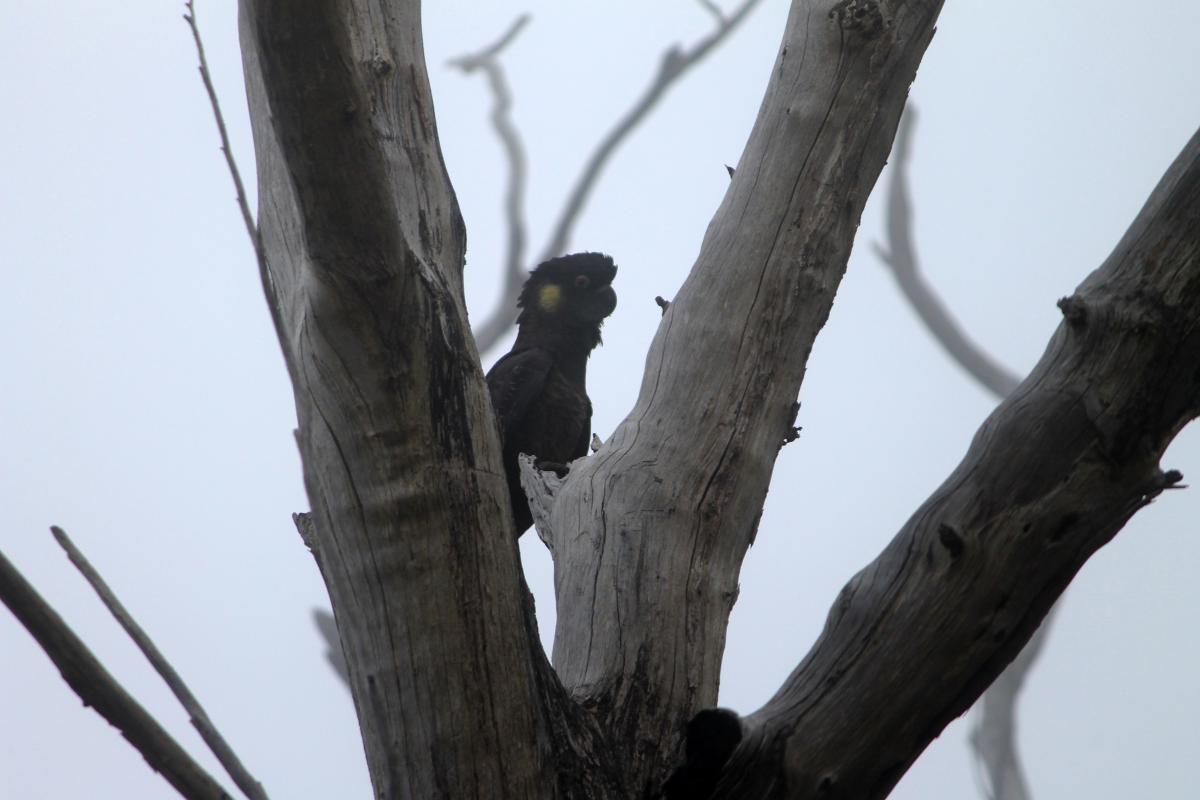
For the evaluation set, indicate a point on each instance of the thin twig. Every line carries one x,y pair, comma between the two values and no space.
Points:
260,251
994,738
200,720
675,62
98,689
514,200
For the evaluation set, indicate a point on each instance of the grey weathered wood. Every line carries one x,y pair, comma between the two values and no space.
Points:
401,458
402,461
649,534
1052,475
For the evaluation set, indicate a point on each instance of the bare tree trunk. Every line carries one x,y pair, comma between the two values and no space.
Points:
401,458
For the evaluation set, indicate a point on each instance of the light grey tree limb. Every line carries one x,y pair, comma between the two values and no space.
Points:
650,532
994,737
199,717
402,457
97,688
674,64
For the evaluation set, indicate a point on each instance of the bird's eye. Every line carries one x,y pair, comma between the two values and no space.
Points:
583,281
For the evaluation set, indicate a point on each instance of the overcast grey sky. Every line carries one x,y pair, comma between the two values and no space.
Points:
146,409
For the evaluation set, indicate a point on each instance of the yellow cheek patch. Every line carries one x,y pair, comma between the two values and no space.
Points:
549,297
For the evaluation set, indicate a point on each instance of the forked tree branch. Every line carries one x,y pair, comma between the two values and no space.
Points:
994,738
199,717
98,689
493,327
674,64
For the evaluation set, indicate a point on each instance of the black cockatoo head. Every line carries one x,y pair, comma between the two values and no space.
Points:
573,291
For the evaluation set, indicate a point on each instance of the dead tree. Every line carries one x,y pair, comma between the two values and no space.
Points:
363,247
454,696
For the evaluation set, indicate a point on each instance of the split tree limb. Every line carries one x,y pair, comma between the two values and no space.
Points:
502,318
199,717
674,64
994,737
98,689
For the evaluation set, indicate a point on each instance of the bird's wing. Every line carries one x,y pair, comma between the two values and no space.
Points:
515,381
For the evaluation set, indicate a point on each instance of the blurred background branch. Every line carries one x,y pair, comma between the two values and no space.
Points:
675,62
488,61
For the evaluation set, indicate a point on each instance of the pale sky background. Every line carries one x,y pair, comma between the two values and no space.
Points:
146,409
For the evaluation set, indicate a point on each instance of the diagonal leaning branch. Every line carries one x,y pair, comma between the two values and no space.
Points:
1052,475
98,689
199,717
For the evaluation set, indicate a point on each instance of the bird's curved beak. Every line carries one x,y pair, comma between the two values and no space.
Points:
610,297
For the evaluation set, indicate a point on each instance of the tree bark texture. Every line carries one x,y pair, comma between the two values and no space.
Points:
649,534
1051,476
401,456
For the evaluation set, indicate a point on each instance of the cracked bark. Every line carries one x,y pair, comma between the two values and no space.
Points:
401,459
649,534
401,456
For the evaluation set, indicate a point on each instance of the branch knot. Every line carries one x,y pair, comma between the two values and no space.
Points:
864,18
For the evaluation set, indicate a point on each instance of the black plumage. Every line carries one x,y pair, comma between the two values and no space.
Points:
539,388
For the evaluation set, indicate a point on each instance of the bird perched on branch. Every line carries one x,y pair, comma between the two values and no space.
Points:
539,388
